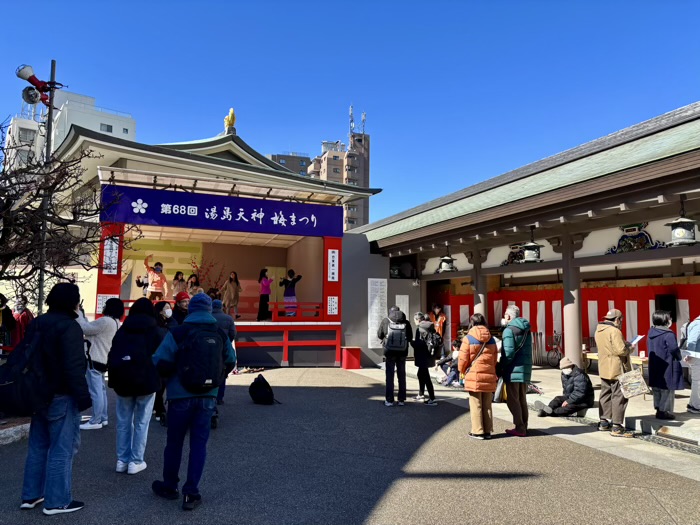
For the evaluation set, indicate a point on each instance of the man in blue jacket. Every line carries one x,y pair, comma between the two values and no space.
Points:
187,411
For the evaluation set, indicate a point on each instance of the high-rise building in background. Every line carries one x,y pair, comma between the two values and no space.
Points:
26,133
293,161
348,164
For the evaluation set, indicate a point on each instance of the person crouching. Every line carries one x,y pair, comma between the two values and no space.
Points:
578,392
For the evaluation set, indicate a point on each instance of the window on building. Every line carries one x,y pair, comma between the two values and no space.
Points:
351,209
107,128
336,157
351,221
27,135
22,157
283,161
302,172
336,170
302,163
352,182
125,131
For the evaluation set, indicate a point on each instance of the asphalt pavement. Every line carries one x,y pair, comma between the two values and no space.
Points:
332,453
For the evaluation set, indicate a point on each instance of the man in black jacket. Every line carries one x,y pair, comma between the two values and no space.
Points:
395,333
578,392
54,434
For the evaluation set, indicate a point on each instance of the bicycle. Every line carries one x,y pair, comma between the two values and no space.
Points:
554,351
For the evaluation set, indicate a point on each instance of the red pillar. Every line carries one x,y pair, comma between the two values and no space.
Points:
332,285
109,273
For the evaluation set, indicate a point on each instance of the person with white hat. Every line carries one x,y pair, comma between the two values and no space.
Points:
578,392
613,361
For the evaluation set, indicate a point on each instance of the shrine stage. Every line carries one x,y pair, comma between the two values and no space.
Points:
288,343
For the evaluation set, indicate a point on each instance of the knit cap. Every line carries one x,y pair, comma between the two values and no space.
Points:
200,303
565,363
181,297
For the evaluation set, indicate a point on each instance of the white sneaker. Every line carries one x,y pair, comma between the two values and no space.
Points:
419,398
121,466
135,468
105,423
387,404
90,426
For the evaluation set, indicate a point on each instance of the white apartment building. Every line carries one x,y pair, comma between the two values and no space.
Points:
27,130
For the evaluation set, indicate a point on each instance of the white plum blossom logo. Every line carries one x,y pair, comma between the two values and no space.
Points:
139,206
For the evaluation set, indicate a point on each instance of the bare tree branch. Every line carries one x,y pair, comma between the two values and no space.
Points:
72,217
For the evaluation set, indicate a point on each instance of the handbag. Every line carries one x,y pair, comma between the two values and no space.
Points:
499,396
632,383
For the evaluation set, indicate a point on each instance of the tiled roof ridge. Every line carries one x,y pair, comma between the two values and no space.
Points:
637,131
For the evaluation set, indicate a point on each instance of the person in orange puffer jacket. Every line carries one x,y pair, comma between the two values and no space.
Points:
477,361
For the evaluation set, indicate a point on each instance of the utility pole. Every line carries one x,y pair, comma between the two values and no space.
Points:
45,197
33,95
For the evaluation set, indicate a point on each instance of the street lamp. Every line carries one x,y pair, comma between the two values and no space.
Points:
32,95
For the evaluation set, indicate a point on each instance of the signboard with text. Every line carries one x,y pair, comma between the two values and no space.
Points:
179,209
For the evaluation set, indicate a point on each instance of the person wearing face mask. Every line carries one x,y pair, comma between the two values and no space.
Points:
178,285
7,323
157,282
516,367
613,360
23,316
577,392
665,370
182,302
164,323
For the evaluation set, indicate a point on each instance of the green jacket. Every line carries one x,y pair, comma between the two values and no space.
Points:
516,367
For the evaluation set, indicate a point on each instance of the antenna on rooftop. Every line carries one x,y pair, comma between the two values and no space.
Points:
364,121
352,127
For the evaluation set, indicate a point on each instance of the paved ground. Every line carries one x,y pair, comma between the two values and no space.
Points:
333,454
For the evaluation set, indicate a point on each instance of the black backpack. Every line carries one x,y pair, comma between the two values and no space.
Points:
200,359
261,392
396,337
24,385
130,365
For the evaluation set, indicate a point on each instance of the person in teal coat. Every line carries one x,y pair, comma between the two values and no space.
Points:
516,367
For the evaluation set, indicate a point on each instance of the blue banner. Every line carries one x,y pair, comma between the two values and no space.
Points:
179,209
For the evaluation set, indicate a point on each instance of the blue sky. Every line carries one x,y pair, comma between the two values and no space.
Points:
455,92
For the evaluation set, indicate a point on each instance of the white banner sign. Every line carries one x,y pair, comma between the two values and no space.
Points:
110,259
102,300
332,305
377,309
403,304
333,266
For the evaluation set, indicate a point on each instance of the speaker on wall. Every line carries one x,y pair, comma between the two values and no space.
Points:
668,303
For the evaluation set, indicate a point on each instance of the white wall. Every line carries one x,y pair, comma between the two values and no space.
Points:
598,242
460,261
91,118
498,255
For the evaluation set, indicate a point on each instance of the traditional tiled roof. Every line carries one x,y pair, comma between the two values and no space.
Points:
662,137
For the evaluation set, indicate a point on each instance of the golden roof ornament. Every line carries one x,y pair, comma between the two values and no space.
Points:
230,122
